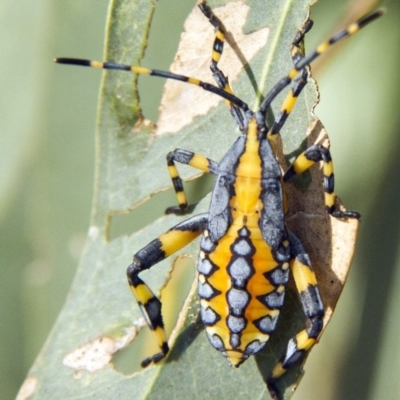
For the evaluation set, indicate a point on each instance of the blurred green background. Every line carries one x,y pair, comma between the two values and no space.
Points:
46,177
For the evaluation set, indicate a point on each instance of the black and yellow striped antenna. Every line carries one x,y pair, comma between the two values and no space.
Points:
230,97
306,60
155,72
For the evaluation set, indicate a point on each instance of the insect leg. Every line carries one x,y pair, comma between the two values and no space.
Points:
194,160
157,250
307,287
308,158
306,60
298,85
218,46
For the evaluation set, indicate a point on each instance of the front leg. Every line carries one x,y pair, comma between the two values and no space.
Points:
188,158
218,46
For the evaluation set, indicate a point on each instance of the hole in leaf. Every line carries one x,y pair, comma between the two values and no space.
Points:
154,208
162,46
172,296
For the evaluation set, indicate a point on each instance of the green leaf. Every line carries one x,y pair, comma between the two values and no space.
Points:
100,316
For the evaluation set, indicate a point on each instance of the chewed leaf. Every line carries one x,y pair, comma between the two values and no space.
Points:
100,316
308,219
194,60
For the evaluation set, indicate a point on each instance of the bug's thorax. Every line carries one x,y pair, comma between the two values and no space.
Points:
247,189
250,169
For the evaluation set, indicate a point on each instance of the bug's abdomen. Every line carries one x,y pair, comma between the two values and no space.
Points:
241,290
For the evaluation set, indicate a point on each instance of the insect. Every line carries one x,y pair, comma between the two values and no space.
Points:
246,250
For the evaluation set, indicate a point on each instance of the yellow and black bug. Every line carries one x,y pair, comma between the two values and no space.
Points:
246,251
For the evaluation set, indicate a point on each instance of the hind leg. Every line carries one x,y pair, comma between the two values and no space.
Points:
299,346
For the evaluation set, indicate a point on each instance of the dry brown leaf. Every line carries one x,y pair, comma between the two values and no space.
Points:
193,59
329,241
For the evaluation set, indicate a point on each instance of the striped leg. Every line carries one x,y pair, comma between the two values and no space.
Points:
307,287
157,250
218,47
308,158
194,160
298,84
